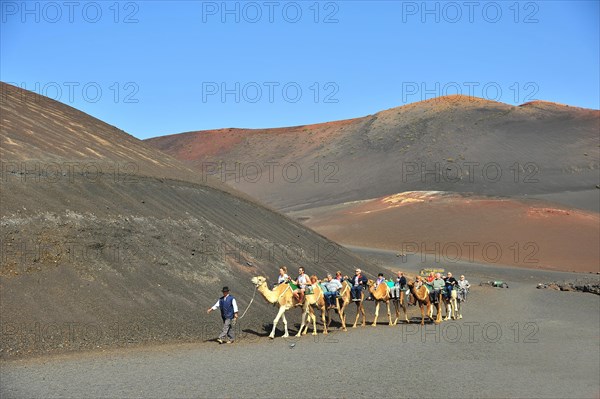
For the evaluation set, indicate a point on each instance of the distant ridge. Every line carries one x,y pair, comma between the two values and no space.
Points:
552,146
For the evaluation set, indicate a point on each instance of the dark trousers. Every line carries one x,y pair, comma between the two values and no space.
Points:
356,292
330,298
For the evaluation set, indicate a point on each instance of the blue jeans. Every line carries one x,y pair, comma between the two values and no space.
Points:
448,293
356,292
330,298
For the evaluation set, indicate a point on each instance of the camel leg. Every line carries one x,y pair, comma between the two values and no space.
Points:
357,314
304,312
376,314
279,314
397,310
422,313
448,311
310,316
323,319
285,334
404,302
430,311
314,321
389,313
343,316
438,316
454,303
362,312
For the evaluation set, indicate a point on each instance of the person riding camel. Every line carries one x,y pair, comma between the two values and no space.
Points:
463,286
418,284
332,286
450,283
399,285
283,276
430,278
302,281
359,281
380,279
438,285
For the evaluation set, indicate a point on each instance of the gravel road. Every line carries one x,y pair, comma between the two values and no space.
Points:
516,342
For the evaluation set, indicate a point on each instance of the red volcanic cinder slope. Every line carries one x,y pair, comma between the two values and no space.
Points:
455,143
446,228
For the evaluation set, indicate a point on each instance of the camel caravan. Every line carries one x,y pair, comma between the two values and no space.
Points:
310,293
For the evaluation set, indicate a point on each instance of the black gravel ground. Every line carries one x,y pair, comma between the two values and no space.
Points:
515,342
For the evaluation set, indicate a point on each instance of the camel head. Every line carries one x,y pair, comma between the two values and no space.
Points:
370,283
258,280
413,284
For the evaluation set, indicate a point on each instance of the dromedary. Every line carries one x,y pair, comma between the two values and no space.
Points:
402,301
360,309
281,295
451,305
381,294
341,302
316,299
421,295
460,298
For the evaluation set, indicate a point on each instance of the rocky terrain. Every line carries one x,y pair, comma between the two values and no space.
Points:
106,242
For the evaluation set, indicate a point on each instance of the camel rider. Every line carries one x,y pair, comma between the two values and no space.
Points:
380,279
332,286
359,281
302,281
430,277
438,284
283,276
463,286
450,284
400,285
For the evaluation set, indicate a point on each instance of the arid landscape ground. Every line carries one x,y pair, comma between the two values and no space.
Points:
113,248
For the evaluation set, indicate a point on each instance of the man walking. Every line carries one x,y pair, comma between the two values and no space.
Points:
229,313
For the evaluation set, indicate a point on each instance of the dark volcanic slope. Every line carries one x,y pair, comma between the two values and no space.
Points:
455,143
97,252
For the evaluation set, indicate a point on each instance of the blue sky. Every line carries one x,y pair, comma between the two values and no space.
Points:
153,68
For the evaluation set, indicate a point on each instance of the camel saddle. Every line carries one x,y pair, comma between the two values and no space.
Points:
307,291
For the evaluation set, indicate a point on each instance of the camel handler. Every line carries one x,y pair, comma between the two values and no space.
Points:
229,313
